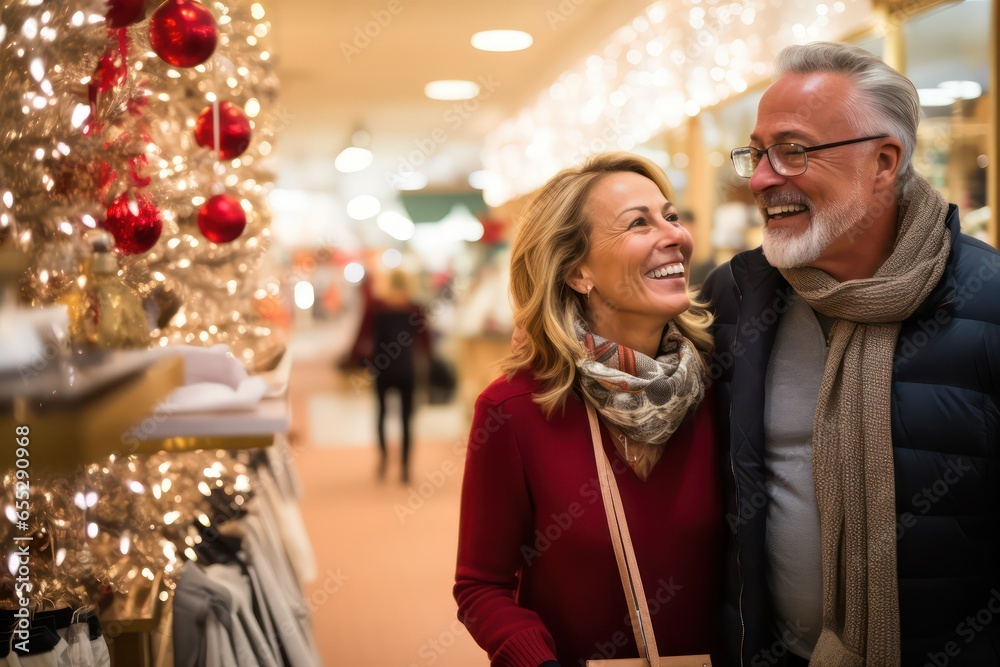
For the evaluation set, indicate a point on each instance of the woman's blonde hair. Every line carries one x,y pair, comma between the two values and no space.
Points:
550,242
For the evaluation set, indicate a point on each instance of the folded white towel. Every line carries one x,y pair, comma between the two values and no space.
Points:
209,364
205,396
213,380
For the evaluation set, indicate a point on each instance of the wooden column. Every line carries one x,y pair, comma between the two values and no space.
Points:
700,191
993,150
894,42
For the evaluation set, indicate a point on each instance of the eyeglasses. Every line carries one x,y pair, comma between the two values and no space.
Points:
785,159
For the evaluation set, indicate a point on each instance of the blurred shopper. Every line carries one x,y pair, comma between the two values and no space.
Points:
399,332
859,354
364,341
598,282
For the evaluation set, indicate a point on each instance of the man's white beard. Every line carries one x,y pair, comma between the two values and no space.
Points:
787,248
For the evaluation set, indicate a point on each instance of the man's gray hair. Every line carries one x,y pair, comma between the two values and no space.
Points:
886,101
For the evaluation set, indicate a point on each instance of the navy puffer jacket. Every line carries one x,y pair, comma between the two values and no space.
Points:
946,442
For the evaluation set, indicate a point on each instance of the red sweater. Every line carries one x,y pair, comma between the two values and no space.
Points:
537,578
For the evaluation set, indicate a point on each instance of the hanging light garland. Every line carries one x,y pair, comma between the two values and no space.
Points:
668,64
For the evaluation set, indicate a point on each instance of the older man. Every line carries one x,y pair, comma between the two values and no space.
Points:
858,362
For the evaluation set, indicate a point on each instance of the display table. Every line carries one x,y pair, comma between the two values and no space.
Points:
166,431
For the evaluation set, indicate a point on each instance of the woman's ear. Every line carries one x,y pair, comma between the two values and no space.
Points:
578,281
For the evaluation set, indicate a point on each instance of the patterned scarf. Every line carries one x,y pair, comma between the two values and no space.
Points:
852,433
644,399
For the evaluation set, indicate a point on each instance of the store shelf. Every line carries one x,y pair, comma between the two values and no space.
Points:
112,405
89,418
243,429
167,431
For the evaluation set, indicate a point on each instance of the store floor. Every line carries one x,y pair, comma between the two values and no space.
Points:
385,552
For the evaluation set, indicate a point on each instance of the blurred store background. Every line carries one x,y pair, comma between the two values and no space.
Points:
411,140
375,170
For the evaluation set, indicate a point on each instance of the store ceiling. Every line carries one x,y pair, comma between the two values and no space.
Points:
335,77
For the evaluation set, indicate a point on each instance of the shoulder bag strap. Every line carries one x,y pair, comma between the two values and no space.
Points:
628,568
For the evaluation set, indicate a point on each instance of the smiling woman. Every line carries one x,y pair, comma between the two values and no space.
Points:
633,272
608,327
573,269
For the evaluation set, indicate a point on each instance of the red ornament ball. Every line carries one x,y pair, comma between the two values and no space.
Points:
183,32
123,13
234,130
135,223
222,219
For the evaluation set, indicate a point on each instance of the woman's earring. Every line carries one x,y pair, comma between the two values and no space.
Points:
589,287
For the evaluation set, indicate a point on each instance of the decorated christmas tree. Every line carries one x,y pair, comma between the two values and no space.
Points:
153,123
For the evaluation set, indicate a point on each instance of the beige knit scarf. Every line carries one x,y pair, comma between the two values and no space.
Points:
852,434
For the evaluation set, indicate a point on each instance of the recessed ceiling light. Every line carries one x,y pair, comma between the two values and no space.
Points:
451,89
501,40
935,97
363,207
962,90
353,159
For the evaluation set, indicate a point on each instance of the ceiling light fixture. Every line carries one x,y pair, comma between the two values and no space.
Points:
363,207
353,159
962,90
451,89
357,155
935,97
501,40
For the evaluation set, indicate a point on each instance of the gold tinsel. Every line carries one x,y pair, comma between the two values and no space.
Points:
118,524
